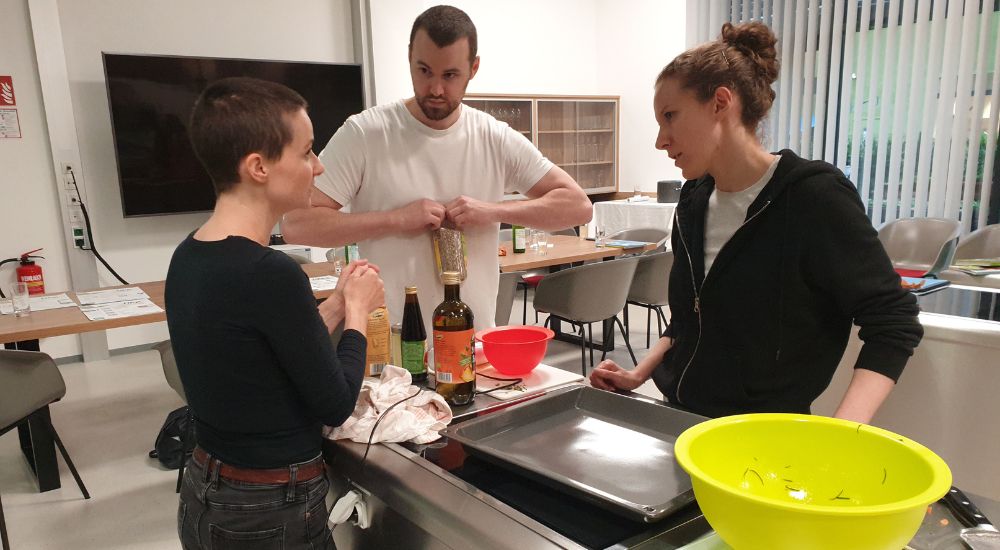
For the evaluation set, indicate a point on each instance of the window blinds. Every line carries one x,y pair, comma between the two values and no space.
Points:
902,95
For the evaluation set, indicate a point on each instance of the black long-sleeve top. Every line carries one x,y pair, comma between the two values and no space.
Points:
256,360
766,327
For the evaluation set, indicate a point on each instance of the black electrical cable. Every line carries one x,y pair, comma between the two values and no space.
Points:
513,382
371,436
90,232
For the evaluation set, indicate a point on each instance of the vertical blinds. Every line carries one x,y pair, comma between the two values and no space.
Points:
902,95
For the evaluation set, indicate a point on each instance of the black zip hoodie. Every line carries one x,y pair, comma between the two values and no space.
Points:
766,328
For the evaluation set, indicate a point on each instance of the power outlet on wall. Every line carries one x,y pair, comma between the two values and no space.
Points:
79,236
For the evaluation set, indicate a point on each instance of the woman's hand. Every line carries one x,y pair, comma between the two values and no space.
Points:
609,376
363,292
333,309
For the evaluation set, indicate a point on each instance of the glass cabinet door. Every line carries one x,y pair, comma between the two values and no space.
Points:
515,112
579,134
580,137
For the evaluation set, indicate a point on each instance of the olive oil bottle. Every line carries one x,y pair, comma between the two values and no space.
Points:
454,345
413,337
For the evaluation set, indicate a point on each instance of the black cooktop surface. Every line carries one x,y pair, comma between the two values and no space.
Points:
589,525
978,303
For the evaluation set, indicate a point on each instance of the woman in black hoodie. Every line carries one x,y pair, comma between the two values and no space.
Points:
775,257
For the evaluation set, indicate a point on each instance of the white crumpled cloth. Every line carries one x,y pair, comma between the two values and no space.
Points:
417,420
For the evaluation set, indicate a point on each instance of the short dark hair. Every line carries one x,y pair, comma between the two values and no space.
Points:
235,117
445,25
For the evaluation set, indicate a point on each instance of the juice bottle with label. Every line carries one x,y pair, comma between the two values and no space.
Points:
454,345
413,337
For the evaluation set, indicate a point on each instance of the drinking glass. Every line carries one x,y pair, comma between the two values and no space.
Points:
599,237
532,238
543,242
20,299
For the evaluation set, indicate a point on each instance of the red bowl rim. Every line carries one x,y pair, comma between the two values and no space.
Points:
545,334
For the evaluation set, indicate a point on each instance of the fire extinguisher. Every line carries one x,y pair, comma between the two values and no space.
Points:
29,272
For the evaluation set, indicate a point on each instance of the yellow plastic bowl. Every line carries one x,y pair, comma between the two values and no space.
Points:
801,482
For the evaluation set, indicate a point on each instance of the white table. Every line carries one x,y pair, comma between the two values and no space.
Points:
946,398
614,216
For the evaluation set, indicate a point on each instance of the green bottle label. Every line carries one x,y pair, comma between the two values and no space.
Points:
517,234
413,356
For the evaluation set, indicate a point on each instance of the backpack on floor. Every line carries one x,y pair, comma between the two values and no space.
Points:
175,440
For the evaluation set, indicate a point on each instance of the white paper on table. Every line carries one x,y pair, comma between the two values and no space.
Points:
51,301
111,295
116,310
323,282
41,303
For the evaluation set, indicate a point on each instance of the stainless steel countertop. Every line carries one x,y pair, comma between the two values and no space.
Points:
458,513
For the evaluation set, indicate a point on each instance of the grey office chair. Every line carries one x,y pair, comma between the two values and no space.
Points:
530,279
649,289
29,383
981,243
174,381
586,294
922,247
505,296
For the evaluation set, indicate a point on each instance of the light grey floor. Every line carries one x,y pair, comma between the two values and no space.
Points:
108,421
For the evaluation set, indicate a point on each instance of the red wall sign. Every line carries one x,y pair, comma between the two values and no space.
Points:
7,91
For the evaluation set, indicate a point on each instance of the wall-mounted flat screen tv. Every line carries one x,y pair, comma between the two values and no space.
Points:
151,96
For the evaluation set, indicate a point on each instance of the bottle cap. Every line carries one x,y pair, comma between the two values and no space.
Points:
411,290
451,278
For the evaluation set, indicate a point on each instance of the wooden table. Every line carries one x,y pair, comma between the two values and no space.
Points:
568,250
70,320
565,249
24,332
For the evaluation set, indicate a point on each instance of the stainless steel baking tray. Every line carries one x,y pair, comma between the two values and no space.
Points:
609,449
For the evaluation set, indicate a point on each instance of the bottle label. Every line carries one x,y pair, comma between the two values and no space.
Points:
518,238
413,356
454,356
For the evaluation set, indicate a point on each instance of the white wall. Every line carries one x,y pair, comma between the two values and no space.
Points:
30,216
551,47
640,38
574,47
139,248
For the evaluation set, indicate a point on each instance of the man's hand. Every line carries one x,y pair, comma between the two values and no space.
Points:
419,215
609,376
465,212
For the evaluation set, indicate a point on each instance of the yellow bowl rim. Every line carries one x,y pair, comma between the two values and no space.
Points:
937,488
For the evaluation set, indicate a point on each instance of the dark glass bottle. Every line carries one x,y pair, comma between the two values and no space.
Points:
413,337
454,345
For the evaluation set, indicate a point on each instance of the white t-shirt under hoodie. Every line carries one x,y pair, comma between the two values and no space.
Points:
384,158
727,212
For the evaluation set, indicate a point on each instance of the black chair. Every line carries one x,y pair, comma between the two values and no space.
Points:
29,383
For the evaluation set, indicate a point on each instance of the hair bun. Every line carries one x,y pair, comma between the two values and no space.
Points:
756,41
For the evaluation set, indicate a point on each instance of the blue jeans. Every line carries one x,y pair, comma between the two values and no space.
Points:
219,514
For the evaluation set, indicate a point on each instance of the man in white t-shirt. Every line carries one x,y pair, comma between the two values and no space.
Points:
407,168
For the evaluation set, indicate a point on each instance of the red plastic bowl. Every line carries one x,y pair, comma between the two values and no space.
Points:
515,350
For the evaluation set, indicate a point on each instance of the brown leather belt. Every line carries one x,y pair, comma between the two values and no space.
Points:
269,476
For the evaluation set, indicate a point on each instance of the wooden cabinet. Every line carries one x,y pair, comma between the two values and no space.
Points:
578,133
